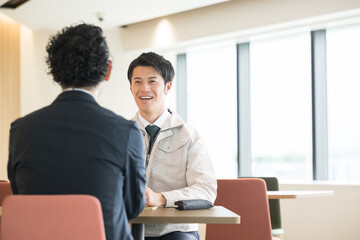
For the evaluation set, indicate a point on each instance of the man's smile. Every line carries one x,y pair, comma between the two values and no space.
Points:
146,98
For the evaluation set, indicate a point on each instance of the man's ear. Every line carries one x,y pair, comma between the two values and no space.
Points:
107,77
168,87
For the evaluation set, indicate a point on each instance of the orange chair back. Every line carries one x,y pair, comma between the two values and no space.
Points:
248,198
5,190
55,217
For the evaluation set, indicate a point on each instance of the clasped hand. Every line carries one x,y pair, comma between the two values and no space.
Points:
154,199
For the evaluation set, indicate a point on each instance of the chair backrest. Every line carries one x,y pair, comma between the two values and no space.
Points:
248,198
5,190
55,217
272,184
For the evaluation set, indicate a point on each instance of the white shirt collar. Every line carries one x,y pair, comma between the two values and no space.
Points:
78,89
159,122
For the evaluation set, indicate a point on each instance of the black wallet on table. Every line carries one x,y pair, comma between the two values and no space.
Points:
193,204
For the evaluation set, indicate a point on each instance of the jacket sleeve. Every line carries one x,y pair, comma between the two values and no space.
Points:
134,185
200,177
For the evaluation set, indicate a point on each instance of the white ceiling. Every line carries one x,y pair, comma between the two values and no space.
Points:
55,14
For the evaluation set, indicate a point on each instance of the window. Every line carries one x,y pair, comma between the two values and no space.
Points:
297,98
343,74
280,106
212,104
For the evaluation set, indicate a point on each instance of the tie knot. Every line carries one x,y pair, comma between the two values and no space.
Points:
152,130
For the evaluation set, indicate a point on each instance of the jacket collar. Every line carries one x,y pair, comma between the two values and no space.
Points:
173,121
75,96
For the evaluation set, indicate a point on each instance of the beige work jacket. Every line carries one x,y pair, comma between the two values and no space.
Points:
179,167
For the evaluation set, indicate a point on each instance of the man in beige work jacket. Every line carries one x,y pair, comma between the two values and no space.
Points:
178,165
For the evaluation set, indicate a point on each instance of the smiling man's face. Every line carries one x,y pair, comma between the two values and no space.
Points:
149,91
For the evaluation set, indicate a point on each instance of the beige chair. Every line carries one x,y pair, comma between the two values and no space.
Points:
52,217
248,198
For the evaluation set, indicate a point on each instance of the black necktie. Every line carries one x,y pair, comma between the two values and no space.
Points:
152,130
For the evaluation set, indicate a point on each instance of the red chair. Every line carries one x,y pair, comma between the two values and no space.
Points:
5,190
55,217
248,198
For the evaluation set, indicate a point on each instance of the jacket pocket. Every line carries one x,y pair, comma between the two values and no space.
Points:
172,145
170,164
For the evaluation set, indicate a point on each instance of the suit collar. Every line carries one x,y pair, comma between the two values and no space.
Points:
75,96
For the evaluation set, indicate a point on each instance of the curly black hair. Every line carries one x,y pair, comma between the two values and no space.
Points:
78,56
151,59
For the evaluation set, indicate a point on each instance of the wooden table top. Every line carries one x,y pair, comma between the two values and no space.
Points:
215,214
297,194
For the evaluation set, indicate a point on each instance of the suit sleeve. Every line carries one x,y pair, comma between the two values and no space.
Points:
134,187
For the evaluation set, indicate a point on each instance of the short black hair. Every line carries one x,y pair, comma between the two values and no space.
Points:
78,56
151,59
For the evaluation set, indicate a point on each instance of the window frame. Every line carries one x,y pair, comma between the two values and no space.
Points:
320,161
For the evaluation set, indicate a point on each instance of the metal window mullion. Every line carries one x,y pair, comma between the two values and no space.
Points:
181,86
319,105
243,98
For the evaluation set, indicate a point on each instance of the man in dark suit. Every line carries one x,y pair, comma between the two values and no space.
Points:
74,146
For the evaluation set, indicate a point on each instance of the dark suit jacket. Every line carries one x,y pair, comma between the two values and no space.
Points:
74,146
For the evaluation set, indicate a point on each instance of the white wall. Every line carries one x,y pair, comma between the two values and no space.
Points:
116,94
229,17
330,217
38,89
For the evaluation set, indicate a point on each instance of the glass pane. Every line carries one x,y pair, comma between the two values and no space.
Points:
212,104
280,96
343,64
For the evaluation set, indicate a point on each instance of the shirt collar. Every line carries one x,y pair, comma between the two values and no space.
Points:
78,89
159,122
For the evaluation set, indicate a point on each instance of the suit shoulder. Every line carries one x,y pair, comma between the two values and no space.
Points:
118,119
32,115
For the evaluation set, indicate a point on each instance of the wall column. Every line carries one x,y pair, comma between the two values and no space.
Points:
9,84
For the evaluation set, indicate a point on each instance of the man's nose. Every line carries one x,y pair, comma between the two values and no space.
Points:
145,87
